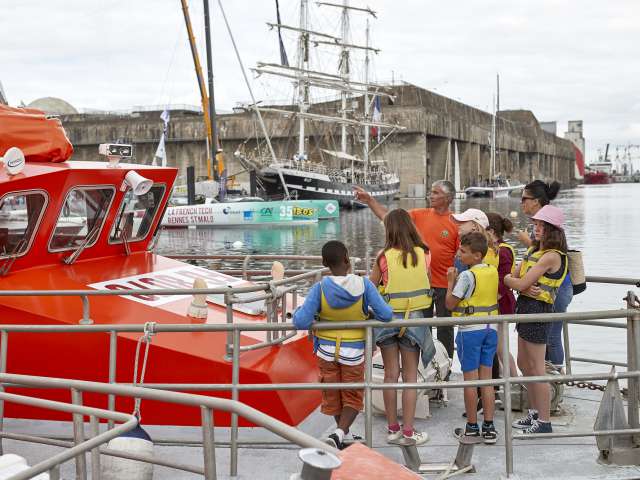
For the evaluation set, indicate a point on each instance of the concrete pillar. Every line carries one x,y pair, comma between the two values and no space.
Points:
468,165
428,178
438,147
485,162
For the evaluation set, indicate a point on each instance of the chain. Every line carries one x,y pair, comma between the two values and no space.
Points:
589,385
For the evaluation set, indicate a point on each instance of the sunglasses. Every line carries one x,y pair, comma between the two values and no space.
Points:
522,199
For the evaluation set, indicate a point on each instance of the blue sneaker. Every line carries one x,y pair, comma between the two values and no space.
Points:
526,421
538,427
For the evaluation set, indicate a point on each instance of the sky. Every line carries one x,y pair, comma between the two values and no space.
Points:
563,60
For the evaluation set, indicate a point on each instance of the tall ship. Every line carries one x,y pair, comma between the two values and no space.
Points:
328,171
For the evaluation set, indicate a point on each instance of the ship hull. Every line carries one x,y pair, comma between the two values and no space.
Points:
597,178
313,186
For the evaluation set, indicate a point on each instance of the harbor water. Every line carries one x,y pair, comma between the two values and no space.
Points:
603,221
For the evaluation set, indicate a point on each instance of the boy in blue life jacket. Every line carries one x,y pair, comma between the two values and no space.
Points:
341,297
474,293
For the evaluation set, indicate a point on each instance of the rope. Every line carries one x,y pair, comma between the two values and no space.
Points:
149,332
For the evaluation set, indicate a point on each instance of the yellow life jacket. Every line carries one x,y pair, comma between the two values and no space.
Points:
513,254
407,289
484,299
549,286
491,258
352,313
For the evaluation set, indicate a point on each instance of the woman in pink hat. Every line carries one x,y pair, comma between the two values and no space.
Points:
536,195
537,278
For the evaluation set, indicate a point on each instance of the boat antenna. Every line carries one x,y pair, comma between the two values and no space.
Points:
497,114
253,99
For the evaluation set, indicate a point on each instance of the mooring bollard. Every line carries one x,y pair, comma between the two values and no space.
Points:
316,464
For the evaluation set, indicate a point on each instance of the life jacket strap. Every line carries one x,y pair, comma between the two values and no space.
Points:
414,293
470,310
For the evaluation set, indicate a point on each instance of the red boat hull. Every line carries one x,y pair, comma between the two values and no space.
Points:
597,178
173,357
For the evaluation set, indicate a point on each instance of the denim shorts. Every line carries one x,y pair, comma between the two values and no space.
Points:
403,342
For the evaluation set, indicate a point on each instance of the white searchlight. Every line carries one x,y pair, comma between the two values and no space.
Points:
13,161
136,182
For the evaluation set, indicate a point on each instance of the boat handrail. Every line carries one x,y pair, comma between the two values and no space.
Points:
81,446
234,330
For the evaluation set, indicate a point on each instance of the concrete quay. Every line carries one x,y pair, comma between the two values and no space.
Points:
421,153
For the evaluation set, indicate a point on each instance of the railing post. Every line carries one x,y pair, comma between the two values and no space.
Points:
567,347
245,264
78,435
633,343
235,379
208,444
229,311
54,473
86,318
113,351
506,374
368,407
282,333
272,313
4,342
95,452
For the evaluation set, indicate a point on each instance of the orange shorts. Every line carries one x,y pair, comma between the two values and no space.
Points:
333,401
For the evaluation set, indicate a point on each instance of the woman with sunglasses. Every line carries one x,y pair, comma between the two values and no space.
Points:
536,195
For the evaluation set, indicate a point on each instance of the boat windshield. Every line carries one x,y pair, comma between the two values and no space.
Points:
136,215
83,213
20,213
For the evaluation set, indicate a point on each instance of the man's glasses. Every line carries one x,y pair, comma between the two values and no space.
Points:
522,199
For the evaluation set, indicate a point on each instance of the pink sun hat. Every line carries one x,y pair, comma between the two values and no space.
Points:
552,215
473,215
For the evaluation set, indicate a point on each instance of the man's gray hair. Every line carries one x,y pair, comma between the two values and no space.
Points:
447,187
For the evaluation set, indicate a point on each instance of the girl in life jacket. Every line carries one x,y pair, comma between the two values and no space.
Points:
402,271
498,225
537,278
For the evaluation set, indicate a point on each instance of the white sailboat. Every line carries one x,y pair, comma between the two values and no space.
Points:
496,186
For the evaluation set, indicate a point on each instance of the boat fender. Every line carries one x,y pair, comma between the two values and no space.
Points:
136,441
198,307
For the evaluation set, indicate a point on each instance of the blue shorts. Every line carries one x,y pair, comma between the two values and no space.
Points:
476,347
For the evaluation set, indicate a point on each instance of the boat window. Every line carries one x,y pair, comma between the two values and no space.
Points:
20,214
136,214
82,215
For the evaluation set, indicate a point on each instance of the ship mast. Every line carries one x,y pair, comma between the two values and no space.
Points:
303,64
497,148
344,73
366,107
492,164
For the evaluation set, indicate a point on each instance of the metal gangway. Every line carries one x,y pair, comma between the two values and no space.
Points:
275,294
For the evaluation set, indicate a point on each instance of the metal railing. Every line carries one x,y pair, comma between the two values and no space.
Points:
272,292
206,404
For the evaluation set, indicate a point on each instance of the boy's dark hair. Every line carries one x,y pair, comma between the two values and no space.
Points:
334,254
476,241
